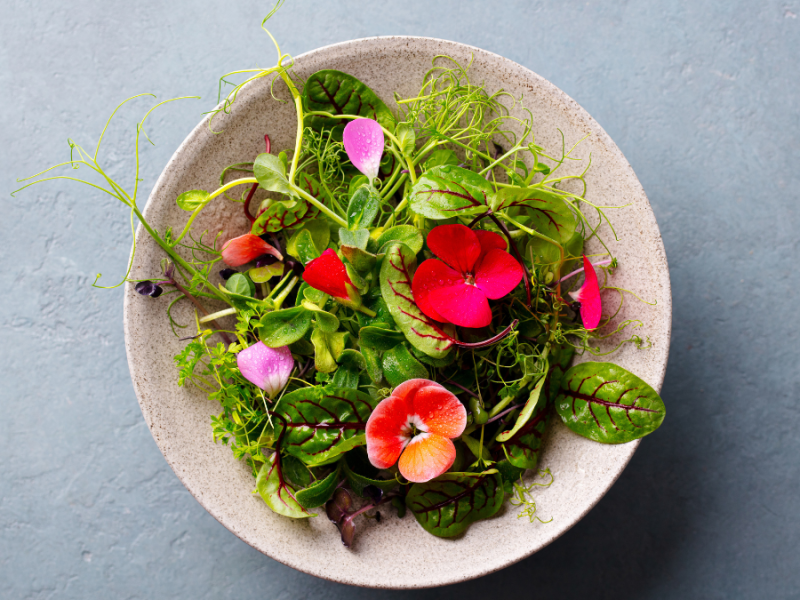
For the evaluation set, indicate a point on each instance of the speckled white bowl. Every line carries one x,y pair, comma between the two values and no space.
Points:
396,553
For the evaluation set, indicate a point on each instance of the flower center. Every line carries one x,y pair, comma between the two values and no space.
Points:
413,427
469,279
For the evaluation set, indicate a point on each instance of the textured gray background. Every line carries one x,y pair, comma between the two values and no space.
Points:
702,97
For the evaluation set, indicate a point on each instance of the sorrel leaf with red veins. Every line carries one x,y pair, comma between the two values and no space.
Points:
276,491
448,191
322,424
397,272
608,404
342,94
449,504
286,214
547,212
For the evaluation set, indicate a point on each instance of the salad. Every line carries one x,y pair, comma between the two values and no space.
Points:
399,325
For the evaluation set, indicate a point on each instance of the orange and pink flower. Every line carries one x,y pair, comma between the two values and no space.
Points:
413,428
473,269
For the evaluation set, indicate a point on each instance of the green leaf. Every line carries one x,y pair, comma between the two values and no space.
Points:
270,172
327,348
326,322
276,493
407,234
361,260
284,327
357,239
396,275
363,207
279,215
441,156
342,94
526,413
320,492
407,138
399,365
351,365
475,447
448,505
192,200
522,450
379,338
448,191
309,243
240,284
547,212
354,468
373,360
265,273
608,404
322,424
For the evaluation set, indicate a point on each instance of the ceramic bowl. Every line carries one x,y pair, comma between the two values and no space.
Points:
397,553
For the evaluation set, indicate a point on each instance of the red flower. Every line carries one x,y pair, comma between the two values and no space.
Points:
247,247
475,267
589,297
415,425
328,274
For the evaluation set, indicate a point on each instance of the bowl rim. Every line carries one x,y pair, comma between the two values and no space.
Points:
618,467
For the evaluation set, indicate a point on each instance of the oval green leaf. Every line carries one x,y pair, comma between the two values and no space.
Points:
284,327
608,404
276,492
449,504
320,492
448,191
363,207
322,424
192,200
396,275
342,94
407,234
399,365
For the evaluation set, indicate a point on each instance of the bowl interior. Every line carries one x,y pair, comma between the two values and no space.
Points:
396,553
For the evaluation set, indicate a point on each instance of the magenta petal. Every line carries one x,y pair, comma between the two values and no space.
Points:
497,273
462,304
363,142
432,274
267,368
589,297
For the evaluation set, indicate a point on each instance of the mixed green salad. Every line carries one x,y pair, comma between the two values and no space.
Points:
399,325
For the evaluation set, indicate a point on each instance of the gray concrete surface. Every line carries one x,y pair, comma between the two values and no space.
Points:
701,96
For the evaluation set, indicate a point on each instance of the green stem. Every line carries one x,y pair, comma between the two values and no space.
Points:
218,314
220,191
319,205
282,296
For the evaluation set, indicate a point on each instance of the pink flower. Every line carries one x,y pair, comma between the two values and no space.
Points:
247,247
474,268
267,368
413,428
589,297
363,142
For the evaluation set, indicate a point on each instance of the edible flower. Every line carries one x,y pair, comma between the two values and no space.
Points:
413,428
363,142
474,268
265,367
589,297
328,274
247,247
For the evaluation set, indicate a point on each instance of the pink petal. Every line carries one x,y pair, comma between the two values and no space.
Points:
431,275
489,240
267,368
440,411
363,142
328,274
497,273
247,247
457,245
462,304
385,431
426,457
589,297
